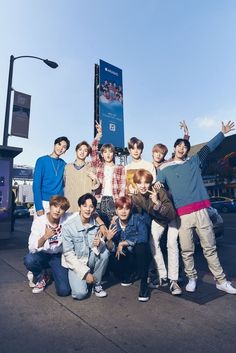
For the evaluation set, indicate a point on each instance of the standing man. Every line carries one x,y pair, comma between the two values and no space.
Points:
183,177
48,175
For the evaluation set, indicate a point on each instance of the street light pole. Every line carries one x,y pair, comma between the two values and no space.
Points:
51,64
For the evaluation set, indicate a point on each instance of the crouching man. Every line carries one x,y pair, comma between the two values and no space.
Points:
45,248
85,252
129,239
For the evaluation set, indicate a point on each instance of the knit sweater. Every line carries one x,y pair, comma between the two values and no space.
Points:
184,179
77,183
48,179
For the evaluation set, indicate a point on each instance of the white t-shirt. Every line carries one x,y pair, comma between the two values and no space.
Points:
108,172
52,245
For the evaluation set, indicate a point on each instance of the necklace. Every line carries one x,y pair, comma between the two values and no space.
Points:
55,168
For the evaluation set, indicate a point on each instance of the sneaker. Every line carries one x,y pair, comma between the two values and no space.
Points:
191,286
30,277
99,291
126,282
226,287
175,288
163,282
144,294
154,284
41,285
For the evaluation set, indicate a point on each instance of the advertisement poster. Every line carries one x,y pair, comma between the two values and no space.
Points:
4,188
20,114
111,104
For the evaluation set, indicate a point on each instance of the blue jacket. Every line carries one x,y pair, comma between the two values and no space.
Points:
136,231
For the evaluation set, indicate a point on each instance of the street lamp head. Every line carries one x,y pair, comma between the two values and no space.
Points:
51,64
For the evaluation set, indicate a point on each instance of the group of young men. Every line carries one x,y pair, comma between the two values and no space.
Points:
117,218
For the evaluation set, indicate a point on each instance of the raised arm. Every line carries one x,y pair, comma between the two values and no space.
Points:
95,154
184,126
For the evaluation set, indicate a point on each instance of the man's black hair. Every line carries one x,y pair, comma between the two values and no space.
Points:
186,143
63,138
82,199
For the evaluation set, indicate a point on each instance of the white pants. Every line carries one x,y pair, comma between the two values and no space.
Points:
172,250
201,221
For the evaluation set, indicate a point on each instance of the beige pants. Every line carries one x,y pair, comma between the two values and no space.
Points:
202,222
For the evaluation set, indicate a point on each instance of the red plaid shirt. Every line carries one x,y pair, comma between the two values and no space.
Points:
118,176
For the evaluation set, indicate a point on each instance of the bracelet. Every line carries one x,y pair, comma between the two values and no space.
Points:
100,225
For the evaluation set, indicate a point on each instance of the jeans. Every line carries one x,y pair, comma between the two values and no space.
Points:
97,265
135,261
39,261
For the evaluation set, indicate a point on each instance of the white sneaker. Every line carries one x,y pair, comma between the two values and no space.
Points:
30,277
99,291
175,288
191,286
226,287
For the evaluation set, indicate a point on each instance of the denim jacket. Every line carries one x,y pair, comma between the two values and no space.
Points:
77,242
136,231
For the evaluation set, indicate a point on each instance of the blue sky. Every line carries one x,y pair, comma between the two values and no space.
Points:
178,59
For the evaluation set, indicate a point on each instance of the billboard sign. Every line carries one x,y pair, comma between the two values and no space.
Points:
22,173
20,114
111,104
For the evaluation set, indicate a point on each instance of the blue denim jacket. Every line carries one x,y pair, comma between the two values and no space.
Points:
78,238
77,242
136,231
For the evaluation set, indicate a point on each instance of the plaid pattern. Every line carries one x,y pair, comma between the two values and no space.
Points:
118,177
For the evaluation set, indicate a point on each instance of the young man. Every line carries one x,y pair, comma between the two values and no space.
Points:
159,151
80,176
161,212
48,176
45,248
110,176
84,250
135,147
184,180
131,246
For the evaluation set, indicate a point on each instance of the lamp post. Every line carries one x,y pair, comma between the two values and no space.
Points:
51,64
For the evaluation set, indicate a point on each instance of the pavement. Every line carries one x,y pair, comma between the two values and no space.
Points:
203,321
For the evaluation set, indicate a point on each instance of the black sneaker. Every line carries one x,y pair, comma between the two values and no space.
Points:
163,282
126,282
144,295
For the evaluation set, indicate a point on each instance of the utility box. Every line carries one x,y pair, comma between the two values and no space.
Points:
7,154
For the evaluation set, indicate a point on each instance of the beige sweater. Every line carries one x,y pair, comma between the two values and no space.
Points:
77,183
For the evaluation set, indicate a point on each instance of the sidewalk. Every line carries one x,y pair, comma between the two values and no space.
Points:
200,322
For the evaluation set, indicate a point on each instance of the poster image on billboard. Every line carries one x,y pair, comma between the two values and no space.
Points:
20,114
111,104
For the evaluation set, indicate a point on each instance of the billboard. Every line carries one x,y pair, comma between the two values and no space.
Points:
20,114
111,104
22,173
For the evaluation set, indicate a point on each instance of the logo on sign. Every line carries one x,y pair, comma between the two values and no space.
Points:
112,127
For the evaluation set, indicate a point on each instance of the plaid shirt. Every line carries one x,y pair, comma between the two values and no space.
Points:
118,177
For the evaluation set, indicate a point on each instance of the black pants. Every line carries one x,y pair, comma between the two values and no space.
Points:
135,262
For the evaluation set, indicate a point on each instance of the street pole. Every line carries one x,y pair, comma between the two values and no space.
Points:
8,102
49,63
